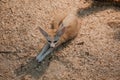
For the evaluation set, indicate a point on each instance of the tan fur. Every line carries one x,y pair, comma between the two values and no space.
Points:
70,22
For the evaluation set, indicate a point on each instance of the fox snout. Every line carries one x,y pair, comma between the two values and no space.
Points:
52,45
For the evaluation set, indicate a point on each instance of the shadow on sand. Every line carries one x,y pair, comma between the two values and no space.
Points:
98,6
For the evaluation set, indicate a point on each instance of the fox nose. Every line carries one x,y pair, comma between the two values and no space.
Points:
52,45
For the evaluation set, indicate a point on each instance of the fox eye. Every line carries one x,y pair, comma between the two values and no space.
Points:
49,41
55,41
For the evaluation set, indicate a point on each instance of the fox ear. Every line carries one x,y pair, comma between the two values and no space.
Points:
45,34
61,31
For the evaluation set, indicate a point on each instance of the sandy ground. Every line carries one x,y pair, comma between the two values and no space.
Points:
93,55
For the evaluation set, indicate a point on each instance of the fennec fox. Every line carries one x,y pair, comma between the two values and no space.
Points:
63,28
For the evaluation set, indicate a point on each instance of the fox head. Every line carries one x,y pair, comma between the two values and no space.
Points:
53,35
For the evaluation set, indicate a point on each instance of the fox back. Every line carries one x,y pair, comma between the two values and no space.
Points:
63,28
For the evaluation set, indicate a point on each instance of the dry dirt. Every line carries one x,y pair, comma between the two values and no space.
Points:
93,55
